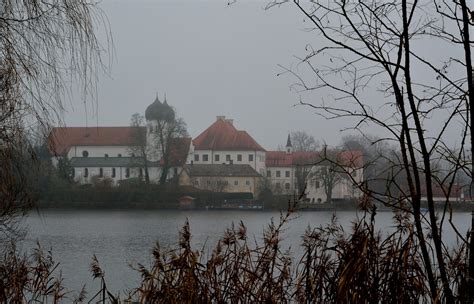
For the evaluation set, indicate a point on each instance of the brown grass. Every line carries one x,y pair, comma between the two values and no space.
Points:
359,266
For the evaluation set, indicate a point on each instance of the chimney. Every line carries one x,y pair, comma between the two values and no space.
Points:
221,117
231,121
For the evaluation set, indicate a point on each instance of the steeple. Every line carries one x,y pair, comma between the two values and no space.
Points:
289,146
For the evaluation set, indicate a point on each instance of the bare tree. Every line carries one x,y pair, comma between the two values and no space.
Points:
304,170
165,134
303,142
379,50
138,145
44,46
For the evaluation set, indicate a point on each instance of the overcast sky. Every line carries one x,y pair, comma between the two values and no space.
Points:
210,59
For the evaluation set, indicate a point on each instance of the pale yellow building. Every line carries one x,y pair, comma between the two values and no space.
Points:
222,178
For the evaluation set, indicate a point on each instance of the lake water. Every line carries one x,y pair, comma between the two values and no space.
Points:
123,238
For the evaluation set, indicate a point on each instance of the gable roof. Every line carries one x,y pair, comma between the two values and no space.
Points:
60,140
221,170
352,159
284,159
222,135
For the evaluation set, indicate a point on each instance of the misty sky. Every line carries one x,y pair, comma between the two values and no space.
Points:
210,59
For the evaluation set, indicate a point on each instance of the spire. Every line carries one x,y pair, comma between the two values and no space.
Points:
164,102
289,147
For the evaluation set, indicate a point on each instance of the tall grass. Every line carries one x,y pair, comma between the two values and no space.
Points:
360,265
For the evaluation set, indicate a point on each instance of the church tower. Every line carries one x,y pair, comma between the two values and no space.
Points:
157,116
289,146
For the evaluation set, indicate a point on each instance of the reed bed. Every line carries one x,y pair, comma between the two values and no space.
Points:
361,265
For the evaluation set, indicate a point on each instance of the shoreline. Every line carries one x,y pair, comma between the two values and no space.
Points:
323,207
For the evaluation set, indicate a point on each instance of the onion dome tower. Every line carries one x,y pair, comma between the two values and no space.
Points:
157,115
159,111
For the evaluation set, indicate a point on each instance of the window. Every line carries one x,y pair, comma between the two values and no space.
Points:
236,183
113,172
278,174
216,157
316,184
287,173
86,172
127,172
227,157
226,182
140,172
85,153
250,157
132,154
196,182
73,172
247,183
101,172
239,157
175,171
287,186
106,155
208,182
196,157
205,157
119,155
269,173
278,185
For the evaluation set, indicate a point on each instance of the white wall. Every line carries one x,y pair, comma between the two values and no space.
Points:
279,183
315,187
120,173
257,162
99,151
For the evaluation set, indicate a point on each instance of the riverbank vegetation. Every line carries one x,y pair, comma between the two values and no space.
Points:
359,264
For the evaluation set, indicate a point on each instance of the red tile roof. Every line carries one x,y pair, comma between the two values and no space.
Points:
222,135
283,159
60,140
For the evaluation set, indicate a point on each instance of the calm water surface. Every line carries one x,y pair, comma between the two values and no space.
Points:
123,238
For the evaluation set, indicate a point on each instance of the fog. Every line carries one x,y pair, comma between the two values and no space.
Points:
209,59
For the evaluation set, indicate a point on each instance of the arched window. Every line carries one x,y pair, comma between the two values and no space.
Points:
86,172
127,172
113,172
101,172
